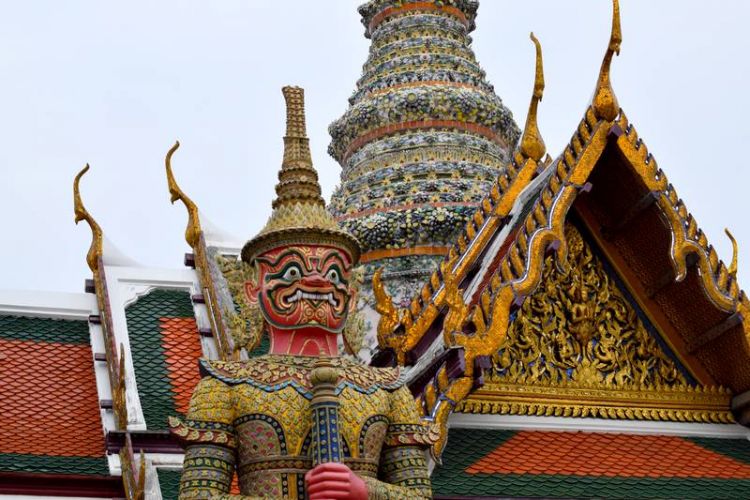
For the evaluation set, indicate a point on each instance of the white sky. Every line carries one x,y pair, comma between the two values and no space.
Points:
115,83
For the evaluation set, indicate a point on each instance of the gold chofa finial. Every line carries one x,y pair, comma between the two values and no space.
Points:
605,102
532,144
733,265
96,249
193,229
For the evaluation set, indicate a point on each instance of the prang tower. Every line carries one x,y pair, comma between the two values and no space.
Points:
423,139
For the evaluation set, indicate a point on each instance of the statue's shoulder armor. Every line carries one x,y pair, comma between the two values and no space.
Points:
274,372
366,376
229,372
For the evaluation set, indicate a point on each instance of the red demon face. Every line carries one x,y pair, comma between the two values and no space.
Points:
303,286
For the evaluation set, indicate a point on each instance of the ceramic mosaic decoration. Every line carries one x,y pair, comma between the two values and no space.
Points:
423,139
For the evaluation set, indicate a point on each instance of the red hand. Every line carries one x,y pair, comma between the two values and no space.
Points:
334,481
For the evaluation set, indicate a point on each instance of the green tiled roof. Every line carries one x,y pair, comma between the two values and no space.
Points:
46,464
739,449
169,481
467,446
151,373
44,330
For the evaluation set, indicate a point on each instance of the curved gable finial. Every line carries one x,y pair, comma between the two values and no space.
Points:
605,102
193,229
733,266
96,249
532,144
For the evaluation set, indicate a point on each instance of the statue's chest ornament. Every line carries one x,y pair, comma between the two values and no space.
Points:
274,373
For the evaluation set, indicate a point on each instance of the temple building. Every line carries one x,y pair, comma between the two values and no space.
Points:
562,322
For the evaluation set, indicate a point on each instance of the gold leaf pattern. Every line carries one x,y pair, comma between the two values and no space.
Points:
578,326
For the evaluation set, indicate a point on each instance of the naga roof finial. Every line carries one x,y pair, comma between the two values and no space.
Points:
299,211
532,144
193,229
605,102
96,250
733,266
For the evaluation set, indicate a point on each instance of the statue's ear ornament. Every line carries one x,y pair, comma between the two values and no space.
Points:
245,320
354,330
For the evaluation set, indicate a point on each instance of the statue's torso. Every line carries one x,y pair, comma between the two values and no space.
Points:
272,419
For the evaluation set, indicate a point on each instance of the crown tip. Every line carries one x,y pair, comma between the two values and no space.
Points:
295,111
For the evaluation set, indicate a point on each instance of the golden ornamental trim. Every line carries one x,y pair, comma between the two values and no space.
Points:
718,282
682,403
519,276
194,237
193,230
605,103
733,266
94,259
96,250
532,143
478,232
133,476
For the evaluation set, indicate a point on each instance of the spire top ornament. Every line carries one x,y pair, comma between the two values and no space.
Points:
299,211
298,180
96,250
605,102
733,265
532,144
193,229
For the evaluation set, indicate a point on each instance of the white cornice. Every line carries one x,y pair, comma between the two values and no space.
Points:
570,424
56,305
217,237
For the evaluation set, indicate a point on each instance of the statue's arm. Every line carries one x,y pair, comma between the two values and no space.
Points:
209,440
403,469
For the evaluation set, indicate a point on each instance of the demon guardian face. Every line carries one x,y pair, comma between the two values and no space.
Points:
303,287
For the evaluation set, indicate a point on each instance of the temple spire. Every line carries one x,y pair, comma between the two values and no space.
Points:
298,180
532,144
605,102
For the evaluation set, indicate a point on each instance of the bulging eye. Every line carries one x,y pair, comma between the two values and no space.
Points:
292,274
333,276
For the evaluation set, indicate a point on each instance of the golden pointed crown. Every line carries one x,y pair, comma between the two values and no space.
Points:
299,212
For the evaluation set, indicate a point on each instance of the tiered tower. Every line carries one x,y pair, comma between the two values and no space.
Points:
423,139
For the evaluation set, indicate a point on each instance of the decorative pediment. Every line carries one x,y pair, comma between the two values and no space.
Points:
579,347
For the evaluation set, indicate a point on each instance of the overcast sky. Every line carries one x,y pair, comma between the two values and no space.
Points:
115,83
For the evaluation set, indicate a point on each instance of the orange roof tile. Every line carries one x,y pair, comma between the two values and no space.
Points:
182,349
49,400
611,455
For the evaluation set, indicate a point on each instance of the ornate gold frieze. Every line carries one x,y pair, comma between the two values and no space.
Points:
572,399
578,326
578,348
